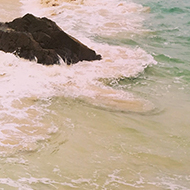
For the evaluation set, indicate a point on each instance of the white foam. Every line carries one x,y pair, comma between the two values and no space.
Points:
46,181
98,16
22,81
114,178
11,183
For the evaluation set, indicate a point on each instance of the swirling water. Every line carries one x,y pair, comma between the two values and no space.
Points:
119,123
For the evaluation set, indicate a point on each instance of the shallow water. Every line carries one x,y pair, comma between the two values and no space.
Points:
119,123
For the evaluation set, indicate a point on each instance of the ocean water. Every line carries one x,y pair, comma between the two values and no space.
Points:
121,123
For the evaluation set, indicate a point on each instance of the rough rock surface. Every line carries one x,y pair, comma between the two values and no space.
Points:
42,40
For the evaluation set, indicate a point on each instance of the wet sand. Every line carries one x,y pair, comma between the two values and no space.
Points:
9,9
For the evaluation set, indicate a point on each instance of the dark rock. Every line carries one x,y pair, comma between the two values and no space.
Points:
41,39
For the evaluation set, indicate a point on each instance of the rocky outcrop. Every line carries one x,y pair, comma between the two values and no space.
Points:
42,40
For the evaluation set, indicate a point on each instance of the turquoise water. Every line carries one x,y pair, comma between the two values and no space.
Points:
118,124
169,36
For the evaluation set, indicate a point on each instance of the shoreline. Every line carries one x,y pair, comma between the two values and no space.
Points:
10,10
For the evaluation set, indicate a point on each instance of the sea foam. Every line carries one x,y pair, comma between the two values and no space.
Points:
23,83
